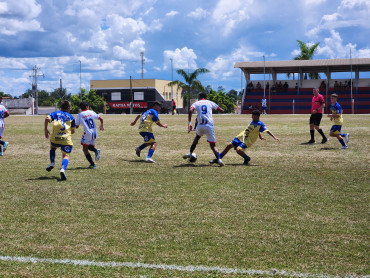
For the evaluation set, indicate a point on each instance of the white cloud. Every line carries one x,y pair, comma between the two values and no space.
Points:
198,13
18,16
172,13
223,65
182,58
350,13
333,48
310,3
228,16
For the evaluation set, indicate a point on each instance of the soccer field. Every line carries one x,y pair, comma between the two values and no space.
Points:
302,209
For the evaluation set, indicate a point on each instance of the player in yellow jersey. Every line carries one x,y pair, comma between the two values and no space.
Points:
145,129
247,138
336,116
63,127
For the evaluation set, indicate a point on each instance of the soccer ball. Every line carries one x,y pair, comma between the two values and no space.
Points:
193,157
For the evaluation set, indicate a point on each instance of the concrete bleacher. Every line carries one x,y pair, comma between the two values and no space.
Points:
281,101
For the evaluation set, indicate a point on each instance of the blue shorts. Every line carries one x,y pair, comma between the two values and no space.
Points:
148,137
336,129
238,144
66,149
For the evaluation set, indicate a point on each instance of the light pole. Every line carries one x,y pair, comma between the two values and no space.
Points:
172,76
264,73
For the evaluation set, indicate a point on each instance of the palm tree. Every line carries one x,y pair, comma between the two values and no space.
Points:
307,53
191,83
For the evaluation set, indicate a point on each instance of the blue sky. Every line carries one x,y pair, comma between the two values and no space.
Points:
107,36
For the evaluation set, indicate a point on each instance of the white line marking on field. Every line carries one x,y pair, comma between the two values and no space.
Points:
189,268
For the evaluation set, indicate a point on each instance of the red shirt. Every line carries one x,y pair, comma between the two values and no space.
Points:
317,102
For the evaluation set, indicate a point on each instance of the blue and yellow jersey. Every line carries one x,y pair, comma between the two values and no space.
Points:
63,124
251,133
336,109
147,119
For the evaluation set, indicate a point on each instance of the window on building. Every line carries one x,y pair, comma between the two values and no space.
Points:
116,96
138,95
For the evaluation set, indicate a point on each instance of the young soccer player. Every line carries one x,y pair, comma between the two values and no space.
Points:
204,109
247,138
336,115
63,127
86,117
145,129
3,114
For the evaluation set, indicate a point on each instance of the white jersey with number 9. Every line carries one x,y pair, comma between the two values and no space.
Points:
204,111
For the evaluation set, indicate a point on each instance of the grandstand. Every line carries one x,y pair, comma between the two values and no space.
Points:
297,97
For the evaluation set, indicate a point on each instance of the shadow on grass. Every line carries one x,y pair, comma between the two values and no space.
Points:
191,165
242,165
45,178
306,143
134,161
327,149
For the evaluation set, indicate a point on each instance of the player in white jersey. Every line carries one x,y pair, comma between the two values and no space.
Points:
86,118
3,114
205,126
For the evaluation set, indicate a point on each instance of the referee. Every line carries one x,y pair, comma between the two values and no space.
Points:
318,104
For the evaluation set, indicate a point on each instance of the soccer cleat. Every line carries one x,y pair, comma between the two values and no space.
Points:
246,161
137,150
63,176
92,166
324,140
220,162
343,147
347,137
4,147
149,160
213,161
186,156
50,167
97,155
1,154
311,142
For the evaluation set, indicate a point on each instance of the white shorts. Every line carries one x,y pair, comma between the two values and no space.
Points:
1,131
208,130
89,139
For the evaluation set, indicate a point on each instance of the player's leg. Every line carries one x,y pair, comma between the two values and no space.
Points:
193,146
85,149
335,130
150,141
3,144
241,152
142,146
216,153
52,158
312,130
151,152
317,122
66,151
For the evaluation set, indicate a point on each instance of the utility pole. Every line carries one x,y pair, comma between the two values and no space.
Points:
172,77
132,97
80,82
142,64
34,86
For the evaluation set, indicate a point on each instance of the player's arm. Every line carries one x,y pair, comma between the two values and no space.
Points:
6,114
322,106
134,122
219,109
260,136
272,135
190,127
101,127
46,131
160,124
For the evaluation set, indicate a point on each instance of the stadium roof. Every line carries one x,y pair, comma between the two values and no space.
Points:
294,66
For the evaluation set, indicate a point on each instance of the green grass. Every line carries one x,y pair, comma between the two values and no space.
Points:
300,208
